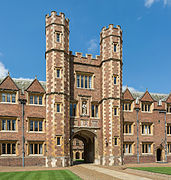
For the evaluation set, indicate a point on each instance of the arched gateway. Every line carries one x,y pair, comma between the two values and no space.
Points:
90,145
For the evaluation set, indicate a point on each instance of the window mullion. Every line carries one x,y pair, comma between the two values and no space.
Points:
33,148
38,148
5,148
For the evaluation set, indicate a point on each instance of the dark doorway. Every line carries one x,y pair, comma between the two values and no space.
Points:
77,155
159,154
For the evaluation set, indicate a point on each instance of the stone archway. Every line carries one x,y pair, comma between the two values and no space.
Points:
88,138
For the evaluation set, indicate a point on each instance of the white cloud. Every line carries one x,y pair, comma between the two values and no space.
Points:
149,3
3,70
21,78
92,45
167,2
130,88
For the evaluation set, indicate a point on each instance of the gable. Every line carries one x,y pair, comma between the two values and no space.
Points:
8,84
169,99
35,86
147,97
127,95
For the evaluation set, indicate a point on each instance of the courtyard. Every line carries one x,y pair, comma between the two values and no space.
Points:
146,171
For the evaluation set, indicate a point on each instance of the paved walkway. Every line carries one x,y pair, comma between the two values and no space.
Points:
114,173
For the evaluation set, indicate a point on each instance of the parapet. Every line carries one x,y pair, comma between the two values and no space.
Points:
111,26
88,56
110,30
54,17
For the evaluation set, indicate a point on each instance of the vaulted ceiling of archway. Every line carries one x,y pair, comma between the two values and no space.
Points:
84,135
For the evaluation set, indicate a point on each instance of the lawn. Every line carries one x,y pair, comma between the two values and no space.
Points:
39,175
161,170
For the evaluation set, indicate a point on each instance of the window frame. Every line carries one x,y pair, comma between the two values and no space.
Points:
145,149
168,108
59,137
34,99
148,131
8,144
94,110
35,143
169,147
58,104
115,47
168,129
8,127
115,141
9,97
84,80
115,111
127,106
58,72
146,107
129,146
58,37
126,128
36,120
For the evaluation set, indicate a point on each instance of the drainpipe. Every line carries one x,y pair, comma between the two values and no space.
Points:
23,102
165,135
138,156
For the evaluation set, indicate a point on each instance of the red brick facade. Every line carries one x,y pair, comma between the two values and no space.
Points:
82,98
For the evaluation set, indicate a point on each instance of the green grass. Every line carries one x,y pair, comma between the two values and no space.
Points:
80,160
161,170
39,175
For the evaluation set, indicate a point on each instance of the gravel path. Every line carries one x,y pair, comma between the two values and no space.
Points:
114,173
89,174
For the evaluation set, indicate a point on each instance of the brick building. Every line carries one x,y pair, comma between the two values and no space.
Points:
82,99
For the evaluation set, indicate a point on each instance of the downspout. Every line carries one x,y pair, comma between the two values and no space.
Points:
165,137
138,156
23,102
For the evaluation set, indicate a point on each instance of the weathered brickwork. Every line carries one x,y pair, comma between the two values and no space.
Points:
81,99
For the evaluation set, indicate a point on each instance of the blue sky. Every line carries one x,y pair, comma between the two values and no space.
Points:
146,26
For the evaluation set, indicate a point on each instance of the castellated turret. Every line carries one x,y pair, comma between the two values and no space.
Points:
111,73
57,90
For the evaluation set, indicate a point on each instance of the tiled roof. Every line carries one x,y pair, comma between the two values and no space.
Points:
155,96
23,84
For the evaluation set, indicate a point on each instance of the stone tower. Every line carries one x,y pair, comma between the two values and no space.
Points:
57,90
111,71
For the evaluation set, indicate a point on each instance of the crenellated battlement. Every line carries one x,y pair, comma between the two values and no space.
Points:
87,56
54,17
111,26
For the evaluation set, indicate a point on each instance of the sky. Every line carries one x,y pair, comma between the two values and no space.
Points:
146,26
